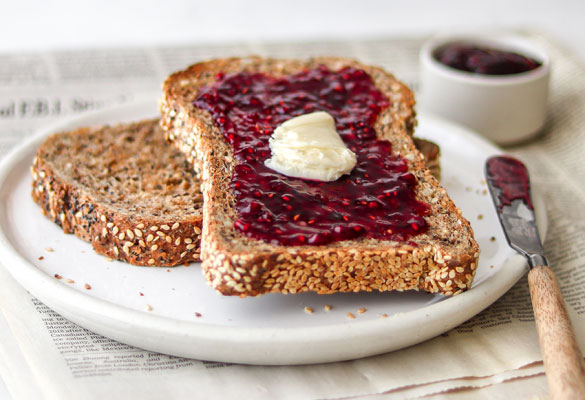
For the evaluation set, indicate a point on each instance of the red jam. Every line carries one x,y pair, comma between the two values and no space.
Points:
376,200
511,177
484,60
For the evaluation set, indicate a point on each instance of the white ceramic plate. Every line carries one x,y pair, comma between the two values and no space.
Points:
189,319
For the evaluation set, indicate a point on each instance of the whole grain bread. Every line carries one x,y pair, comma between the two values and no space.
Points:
121,144
441,260
124,189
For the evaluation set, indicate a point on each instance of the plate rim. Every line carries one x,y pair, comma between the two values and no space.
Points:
265,340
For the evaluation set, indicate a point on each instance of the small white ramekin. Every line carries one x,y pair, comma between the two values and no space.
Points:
506,109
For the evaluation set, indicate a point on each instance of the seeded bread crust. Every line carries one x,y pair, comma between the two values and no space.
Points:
124,189
432,155
443,260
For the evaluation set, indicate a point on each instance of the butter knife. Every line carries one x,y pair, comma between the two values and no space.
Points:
509,185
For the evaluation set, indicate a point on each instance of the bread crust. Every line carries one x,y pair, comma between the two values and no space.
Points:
114,226
442,260
432,155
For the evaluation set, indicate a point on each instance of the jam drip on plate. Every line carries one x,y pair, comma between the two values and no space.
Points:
376,200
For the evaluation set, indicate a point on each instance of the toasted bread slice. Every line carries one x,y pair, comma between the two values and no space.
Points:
124,189
120,142
441,260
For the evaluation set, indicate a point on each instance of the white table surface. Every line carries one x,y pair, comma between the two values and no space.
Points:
30,24
72,24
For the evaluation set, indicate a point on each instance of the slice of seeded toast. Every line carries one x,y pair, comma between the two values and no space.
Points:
124,189
441,260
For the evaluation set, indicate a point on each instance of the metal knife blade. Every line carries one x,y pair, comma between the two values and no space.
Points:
509,185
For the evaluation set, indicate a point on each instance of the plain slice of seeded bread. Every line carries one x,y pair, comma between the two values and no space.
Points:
442,260
124,189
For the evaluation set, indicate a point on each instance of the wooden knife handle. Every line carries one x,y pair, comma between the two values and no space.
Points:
563,361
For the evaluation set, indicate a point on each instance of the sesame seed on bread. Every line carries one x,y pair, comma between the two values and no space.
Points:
441,260
123,189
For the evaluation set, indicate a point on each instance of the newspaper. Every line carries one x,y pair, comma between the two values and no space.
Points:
45,356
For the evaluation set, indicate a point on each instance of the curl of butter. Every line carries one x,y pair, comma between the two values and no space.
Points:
309,146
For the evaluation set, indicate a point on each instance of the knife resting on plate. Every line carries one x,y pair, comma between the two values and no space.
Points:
509,186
